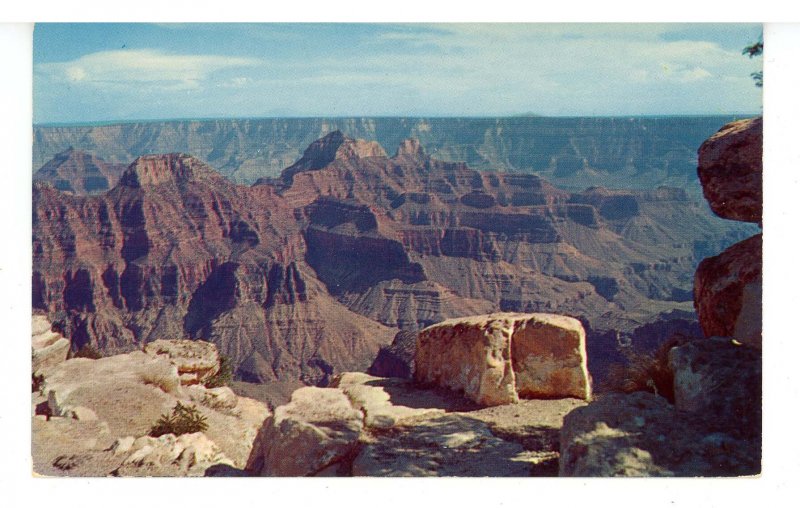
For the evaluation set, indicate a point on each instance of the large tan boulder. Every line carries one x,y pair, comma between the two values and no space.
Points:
727,293
196,360
48,348
316,429
730,170
498,358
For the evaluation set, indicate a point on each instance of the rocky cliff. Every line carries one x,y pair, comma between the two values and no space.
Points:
309,274
573,152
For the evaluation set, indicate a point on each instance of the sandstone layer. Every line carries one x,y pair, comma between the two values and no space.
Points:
498,358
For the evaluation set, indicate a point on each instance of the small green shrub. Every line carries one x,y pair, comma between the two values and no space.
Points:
88,351
223,376
183,420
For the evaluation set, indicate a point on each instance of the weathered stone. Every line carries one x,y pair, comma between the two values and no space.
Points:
197,360
130,392
316,429
719,380
168,455
49,348
727,293
641,434
730,170
372,396
494,359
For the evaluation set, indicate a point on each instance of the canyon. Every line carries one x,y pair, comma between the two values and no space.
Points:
310,273
573,153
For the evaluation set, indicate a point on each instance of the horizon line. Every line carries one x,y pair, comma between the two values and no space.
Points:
95,123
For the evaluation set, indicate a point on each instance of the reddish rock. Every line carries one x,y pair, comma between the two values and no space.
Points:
727,294
730,170
304,277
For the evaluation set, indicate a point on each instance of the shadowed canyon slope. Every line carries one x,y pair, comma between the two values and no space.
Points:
619,152
308,274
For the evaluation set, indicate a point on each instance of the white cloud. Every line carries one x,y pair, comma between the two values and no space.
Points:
144,67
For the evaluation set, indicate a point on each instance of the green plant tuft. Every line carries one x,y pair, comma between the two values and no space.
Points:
183,420
223,376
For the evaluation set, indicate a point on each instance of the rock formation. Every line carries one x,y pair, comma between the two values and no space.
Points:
93,417
370,426
48,348
727,289
79,173
309,275
730,170
494,359
714,427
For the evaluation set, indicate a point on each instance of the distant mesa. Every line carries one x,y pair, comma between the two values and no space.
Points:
79,173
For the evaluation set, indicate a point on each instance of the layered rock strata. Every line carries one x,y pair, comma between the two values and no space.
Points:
497,358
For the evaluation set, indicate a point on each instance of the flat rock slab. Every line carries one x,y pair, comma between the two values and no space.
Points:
497,358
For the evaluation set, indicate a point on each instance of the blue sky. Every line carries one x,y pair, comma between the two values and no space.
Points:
129,71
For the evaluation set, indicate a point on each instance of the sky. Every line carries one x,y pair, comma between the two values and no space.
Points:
94,72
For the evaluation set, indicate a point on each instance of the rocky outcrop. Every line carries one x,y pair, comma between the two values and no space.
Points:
730,170
396,359
641,434
727,287
714,428
370,426
498,358
728,292
126,395
48,348
719,379
316,429
196,361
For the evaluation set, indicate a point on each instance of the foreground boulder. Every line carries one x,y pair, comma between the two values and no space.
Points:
48,348
714,428
498,358
196,360
396,359
730,170
727,292
719,379
318,428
